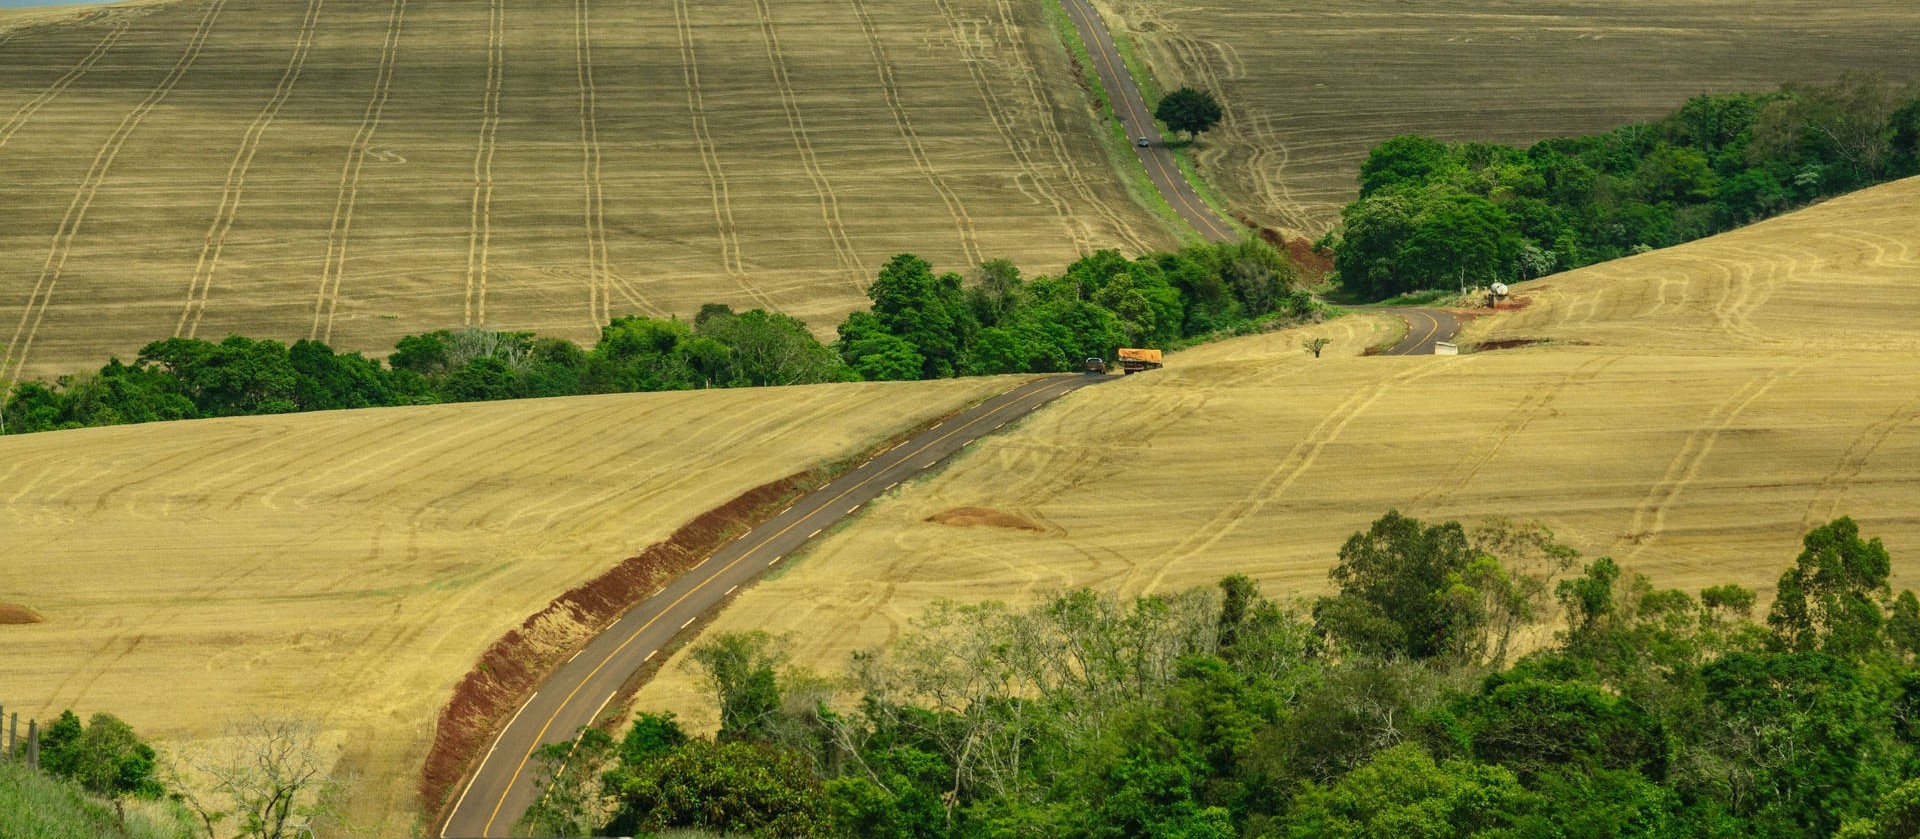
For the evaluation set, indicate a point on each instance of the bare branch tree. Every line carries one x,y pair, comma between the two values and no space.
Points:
269,776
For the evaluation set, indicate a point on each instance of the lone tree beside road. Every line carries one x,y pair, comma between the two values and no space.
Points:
1189,110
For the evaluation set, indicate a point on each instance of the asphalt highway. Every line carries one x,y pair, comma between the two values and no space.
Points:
1131,107
1425,327
574,695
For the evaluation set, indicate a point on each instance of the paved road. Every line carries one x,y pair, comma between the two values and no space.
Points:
1137,118
1425,327
575,694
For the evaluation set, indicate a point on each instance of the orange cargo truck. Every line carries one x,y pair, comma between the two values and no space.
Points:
1134,360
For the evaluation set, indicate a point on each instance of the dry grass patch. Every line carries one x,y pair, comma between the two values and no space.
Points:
1695,410
356,172
1310,87
351,566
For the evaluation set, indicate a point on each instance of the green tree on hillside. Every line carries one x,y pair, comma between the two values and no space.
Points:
1830,599
105,756
1408,159
1190,110
927,311
742,669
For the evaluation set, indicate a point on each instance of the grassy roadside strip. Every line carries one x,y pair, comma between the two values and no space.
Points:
1114,140
1151,90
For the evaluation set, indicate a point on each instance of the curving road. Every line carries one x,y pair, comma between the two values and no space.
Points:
1425,327
575,694
1131,107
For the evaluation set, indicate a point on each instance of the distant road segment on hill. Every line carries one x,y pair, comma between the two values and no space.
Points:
575,695
1130,107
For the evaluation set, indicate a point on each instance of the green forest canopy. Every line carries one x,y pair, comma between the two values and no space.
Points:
1387,708
1433,215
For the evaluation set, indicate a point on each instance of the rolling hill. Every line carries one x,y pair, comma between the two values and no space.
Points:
358,170
1309,88
350,566
1689,412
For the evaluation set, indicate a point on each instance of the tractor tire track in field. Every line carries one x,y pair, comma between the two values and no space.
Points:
729,232
797,126
602,280
1270,488
890,88
52,91
17,349
1534,404
599,307
480,226
1003,124
327,301
1650,516
1055,138
1825,504
200,285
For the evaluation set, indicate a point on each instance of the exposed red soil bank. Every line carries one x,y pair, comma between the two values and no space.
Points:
521,658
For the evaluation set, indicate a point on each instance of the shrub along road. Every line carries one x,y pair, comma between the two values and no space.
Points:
576,694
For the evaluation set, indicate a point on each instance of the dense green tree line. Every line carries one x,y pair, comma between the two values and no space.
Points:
1387,708
921,325
1434,215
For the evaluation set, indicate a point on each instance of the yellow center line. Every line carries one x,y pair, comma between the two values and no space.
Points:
491,817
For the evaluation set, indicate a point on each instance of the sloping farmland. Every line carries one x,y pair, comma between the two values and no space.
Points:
1689,412
358,170
349,567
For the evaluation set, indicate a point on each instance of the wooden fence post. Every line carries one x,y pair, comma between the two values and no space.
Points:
33,745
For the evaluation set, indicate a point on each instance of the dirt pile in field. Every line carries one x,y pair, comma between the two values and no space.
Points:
983,517
13,614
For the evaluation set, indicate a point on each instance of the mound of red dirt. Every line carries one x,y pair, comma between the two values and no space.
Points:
14,614
983,517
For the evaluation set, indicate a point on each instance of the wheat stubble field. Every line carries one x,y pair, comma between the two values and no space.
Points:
357,170
1694,410
351,566
1310,87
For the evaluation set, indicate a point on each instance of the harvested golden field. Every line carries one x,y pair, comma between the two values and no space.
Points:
1309,88
1693,411
359,170
351,566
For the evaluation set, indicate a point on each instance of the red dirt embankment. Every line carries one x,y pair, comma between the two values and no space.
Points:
523,657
